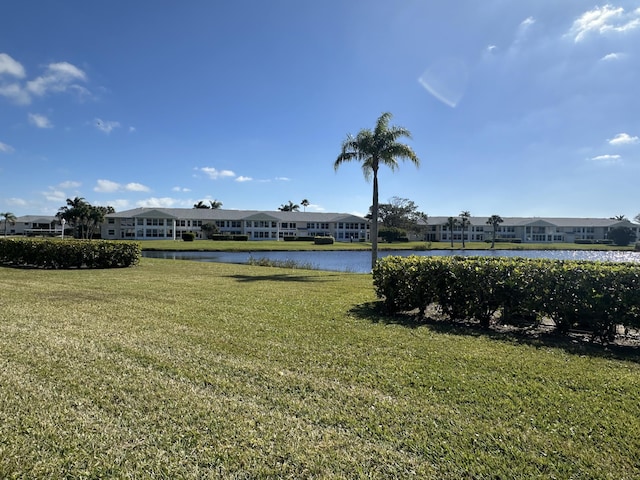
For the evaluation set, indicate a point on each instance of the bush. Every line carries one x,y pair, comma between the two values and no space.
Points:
323,240
592,296
188,236
51,253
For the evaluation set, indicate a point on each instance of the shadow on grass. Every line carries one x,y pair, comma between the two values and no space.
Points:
281,277
572,343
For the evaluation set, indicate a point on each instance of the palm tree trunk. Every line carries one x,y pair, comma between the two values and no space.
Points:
374,220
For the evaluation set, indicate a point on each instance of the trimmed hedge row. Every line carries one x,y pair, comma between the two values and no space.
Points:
48,253
323,240
591,296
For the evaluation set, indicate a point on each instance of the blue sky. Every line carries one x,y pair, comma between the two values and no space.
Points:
527,108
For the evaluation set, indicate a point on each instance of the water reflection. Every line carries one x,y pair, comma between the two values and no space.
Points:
360,261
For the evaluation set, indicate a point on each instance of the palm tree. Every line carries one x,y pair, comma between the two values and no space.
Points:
289,207
452,223
465,221
372,148
200,204
494,221
8,217
215,204
619,217
305,204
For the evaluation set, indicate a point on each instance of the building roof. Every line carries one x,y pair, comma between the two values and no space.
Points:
36,219
223,214
535,221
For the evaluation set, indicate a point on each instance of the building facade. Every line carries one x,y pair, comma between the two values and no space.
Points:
171,223
525,230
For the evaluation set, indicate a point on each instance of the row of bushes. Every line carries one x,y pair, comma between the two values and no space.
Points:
591,296
68,253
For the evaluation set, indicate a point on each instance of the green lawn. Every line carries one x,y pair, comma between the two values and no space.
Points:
273,245
178,369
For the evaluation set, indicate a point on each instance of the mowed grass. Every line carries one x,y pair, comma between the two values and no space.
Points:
274,245
178,369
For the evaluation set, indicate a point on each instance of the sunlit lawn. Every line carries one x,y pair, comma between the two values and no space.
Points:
273,245
178,369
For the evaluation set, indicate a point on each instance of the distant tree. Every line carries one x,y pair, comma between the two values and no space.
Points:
201,204
621,236
215,204
391,234
619,217
83,217
305,203
465,221
373,148
400,213
210,229
289,207
8,217
494,221
452,223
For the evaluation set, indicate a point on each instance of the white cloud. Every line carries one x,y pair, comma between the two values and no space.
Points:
55,195
132,129
106,126
39,121
623,139
242,178
283,179
602,20
612,56
136,187
17,202
607,159
69,184
14,92
119,204
8,66
181,189
164,202
58,77
107,186
4,148
215,174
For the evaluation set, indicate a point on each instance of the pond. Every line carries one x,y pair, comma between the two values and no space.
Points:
360,261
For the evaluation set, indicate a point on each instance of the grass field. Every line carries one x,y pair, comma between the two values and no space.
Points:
205,370
273,245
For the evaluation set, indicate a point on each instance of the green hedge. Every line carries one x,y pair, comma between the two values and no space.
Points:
591,296
51,253
323,240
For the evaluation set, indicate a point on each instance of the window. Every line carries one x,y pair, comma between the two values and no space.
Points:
111,221
111,233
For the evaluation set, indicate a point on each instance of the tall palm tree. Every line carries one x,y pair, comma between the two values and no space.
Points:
289,207
494,221
373,148
305,204
8,217
215,204
200,204
452,223
465,221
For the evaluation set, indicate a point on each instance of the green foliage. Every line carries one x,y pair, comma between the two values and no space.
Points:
592,296
391,234
188,236
622,236
210,229
83,217
323,241
47,253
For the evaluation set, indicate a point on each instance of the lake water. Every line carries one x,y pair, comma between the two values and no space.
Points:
360,261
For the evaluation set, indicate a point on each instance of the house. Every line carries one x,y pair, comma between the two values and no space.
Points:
526,229
171,223
34,225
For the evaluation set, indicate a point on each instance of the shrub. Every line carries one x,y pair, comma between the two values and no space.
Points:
592,296
51,253
323,240
188,236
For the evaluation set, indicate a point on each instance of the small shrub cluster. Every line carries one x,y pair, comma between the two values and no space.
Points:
224,236
301,238
48,253
188,236
590,296
323,240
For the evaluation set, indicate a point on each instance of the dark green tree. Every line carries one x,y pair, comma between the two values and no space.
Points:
289,207
494,221
8,217
210,229
465,222
621,236
201,204
373,148
452,223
